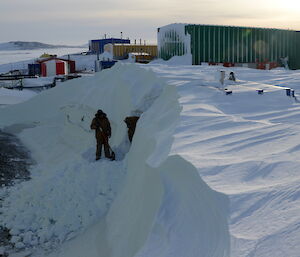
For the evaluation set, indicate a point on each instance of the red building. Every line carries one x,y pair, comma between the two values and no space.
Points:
56,66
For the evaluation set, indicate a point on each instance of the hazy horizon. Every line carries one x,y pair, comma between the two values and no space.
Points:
74,22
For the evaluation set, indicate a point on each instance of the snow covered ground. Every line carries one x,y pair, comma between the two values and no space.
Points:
245,145
147,203
8,96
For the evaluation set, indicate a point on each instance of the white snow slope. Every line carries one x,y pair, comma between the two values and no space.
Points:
147,203
247,146
8,96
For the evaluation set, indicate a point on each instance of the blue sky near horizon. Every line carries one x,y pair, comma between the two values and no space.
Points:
76,21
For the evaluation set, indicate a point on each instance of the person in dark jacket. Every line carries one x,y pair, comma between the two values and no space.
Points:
131,124
102,129
232,76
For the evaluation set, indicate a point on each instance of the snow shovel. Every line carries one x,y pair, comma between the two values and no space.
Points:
112,155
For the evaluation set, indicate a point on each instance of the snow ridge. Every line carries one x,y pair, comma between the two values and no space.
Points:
159,204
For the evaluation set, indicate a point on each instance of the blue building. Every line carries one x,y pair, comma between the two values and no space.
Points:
97,45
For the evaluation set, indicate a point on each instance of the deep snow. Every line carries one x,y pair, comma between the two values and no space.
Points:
147,203
247,146
244,145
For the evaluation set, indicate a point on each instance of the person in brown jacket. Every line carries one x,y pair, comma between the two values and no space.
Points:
102,129
131,124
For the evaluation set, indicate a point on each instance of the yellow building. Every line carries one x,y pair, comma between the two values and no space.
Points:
121,51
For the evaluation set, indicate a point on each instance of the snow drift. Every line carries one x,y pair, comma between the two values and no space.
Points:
176,60
245,145
146,204
8,96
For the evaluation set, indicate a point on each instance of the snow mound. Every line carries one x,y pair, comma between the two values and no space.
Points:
176,60
66,178
245,145
58,206
147,203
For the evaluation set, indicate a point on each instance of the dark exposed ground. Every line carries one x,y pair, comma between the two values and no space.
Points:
14,160
14,166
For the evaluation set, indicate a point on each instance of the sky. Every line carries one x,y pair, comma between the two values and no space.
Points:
74,22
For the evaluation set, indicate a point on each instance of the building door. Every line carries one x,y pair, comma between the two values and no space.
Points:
60,68
44,70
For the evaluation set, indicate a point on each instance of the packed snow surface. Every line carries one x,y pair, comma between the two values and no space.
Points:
8,96
245,145
175,60
147,203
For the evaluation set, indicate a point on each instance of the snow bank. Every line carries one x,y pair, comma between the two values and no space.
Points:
247,146
162,206
61,142
176,60
38,82
8,96
166,194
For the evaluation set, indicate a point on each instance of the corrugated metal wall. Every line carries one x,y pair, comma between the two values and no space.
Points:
294,55
235,45
239,44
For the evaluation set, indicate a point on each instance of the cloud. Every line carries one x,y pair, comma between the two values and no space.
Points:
77,20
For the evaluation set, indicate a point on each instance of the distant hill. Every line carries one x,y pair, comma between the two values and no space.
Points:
22,45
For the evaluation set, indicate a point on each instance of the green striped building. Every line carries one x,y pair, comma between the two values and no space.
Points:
237,45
